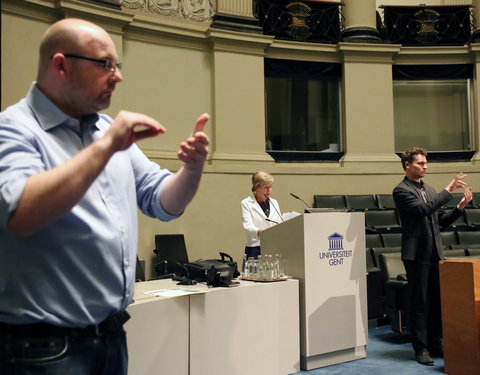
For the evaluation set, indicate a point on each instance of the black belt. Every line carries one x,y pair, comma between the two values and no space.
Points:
110,325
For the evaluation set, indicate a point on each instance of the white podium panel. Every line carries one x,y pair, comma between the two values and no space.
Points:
326,252
251,329
158,332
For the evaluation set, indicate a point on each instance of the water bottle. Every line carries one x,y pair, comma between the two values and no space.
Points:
244,266
262,268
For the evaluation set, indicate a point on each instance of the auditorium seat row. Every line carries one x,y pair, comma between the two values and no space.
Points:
388,221
381,215
369,202
362,202
450,239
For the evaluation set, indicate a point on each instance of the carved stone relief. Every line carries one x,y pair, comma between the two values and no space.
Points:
195,10
133,4
164,7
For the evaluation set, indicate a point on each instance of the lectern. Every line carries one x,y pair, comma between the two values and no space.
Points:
326,252
460,294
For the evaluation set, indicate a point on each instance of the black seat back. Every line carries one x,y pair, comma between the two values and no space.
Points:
373,240
382,221
392,265
385,202
329,201
171,254
449,238
363,202
454,254
392,239
473,216
377,251
469,237
475,252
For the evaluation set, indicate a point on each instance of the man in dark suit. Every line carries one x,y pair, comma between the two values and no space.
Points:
421,215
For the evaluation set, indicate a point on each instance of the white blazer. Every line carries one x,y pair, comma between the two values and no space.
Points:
253,218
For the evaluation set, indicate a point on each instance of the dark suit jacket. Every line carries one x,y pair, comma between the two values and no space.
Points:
421,221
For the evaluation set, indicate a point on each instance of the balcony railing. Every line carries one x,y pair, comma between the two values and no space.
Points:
428,25
307,21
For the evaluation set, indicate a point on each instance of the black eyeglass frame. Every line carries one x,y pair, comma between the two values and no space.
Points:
108,64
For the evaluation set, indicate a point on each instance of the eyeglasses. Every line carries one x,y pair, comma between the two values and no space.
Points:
108,64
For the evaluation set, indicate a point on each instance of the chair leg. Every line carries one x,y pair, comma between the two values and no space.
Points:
401,320
398,321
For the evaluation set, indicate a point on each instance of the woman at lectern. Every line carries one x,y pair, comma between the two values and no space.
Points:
259,212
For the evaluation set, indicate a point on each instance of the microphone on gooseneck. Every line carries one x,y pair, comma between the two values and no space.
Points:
300,199
275,208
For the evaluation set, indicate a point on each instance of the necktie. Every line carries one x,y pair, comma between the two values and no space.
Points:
424,194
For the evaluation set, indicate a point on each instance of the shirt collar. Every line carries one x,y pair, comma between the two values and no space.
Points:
415,183
49,115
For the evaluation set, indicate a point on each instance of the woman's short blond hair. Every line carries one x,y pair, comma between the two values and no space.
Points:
259,178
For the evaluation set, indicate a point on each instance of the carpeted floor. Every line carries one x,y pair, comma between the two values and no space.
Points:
387,353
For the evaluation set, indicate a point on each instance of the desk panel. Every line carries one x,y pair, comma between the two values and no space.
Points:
250,329
157,332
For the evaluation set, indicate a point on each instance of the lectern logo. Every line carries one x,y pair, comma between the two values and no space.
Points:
336,254
335,241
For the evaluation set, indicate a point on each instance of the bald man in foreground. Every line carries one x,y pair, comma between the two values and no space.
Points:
71,181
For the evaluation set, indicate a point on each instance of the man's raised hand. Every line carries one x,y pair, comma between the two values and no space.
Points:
457,183
194,150
129,127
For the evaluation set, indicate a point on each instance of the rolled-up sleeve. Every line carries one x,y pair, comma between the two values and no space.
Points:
19,160
149,180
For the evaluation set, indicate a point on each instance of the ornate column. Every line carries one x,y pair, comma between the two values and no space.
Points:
235,15
360,21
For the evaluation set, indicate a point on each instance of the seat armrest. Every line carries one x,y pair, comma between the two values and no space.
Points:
395,284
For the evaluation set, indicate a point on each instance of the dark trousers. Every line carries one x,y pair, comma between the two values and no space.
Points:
43,349
252,251
425,313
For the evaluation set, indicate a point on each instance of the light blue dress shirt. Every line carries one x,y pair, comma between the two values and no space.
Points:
80,269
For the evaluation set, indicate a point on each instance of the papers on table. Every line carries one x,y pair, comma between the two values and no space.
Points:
290,215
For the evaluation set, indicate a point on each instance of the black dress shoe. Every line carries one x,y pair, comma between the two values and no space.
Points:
423,357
